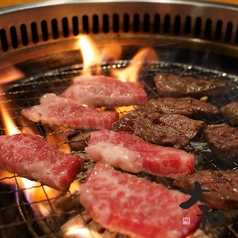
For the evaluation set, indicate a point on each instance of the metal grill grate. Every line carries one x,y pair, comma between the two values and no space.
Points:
27,93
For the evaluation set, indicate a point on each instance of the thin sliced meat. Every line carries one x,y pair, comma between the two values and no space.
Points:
160,129
60,111
187,106
223,187
134,206
31,157
135,155
105,91
170,85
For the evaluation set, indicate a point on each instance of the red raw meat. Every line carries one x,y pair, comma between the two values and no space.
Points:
60,111
105,91
31,157
134,206
135,155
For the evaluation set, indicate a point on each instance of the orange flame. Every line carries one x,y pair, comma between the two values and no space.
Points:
81,232
8,124
144,58
93,55
9,73
36,194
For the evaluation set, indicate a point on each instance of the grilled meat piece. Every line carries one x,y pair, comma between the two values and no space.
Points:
230,112
135,206
32,158
60,111
223,187
170,85
105,91
135,155
186,106
161,129
222,140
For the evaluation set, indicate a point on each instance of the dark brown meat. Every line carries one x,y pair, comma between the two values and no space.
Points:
170,85
167,129
222,140
223,187
230,112
186,106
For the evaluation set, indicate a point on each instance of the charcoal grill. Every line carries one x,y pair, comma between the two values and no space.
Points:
199,39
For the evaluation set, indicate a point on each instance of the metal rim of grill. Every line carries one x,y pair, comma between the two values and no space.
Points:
47,34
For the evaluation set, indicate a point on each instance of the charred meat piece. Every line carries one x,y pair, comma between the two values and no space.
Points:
230,112
135,206
186,106
161,129
105,91
135,155
222,140
170,85
222,186
60,111
32,158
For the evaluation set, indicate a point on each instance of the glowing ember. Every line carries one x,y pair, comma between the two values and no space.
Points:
144,58
93,56
125,109
81,232
55,136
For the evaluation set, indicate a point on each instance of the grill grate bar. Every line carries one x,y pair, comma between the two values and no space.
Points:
26,93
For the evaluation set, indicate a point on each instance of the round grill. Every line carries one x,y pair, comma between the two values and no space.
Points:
41,40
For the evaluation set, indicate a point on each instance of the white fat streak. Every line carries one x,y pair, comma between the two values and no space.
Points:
53,98
116,155
167,209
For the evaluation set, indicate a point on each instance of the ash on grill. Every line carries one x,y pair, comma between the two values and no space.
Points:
64,208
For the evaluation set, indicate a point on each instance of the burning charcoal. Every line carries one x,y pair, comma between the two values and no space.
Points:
168,129
186,106
170,85
230,112
78,140
223,141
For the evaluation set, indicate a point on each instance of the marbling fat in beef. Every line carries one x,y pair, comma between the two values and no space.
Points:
135,155
31,157
105,91
55,110
135,206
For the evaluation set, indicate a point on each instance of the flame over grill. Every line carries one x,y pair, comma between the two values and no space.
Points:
45,211
44,201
